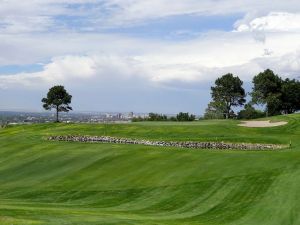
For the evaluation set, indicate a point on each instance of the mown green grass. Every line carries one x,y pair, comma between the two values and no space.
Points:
43,182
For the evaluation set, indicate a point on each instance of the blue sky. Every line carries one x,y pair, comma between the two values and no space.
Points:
179,27
135,55
13,69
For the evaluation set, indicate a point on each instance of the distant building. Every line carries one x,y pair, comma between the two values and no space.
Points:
119,116
130,115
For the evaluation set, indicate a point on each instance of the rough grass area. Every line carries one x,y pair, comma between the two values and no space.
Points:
44,182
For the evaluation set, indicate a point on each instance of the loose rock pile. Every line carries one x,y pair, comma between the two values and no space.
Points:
184,144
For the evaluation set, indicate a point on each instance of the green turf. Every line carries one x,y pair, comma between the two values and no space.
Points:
44,182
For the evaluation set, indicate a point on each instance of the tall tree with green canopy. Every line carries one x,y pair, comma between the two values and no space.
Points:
290,96
228,91
59,99
267,90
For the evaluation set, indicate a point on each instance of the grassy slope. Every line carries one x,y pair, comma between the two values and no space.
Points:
76,183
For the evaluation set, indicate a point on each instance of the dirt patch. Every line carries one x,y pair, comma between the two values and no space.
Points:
267,123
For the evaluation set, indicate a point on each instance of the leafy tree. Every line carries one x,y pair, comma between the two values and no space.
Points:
173,118
185,117
267,91
228,91
249,112
157,117
192,117
215,110
137,119
3,124
290,96
59,99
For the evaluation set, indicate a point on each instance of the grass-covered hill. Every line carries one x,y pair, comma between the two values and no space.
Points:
46,182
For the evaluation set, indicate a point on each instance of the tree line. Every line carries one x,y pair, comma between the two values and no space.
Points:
277,95
59,99
162,117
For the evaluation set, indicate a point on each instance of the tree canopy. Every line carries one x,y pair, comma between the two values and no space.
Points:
229,91
267,90
279,96
215,110
59,99
157,117
249,112
290,96
185,117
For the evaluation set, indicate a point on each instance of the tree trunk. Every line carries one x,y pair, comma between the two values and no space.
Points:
57,114
228,112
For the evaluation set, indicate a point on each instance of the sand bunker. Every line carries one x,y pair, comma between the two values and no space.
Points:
261,124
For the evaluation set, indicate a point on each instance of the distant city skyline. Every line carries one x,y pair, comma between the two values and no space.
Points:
142,56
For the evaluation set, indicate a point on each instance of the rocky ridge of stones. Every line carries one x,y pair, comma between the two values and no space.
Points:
183,144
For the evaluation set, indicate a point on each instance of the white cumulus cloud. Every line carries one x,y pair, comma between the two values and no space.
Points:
275,22
60,69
